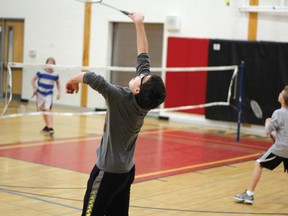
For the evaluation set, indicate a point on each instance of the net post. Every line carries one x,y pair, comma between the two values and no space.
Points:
240,100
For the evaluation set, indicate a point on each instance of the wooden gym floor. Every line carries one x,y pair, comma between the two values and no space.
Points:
181,168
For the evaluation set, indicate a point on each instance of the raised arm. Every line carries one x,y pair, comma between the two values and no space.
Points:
142,42
73,84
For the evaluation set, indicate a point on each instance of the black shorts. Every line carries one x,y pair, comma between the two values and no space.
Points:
271,161
108,193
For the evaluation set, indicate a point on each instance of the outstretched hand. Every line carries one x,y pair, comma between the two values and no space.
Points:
72,87
273,134
267,121
136,17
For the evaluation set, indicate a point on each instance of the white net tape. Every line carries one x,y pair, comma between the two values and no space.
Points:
126,69
8,95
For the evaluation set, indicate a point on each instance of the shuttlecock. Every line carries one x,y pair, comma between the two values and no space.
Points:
227,2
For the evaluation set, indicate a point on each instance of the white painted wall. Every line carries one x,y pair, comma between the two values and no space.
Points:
55,28
52,28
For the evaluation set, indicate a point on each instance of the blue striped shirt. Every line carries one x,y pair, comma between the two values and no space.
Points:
46,81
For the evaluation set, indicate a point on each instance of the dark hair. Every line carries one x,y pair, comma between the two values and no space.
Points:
285,95
52,59
152,93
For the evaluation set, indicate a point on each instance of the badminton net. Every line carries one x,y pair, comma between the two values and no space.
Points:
26,106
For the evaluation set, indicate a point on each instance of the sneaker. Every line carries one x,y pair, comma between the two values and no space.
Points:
45,130
244,198
51,131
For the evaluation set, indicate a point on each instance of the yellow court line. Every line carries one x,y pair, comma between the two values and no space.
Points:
13,146
137,176
196,166
47,143
158,131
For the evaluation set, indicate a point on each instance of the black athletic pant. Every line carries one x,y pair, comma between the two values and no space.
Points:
108,193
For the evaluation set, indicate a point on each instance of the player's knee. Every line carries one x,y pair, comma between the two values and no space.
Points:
257,163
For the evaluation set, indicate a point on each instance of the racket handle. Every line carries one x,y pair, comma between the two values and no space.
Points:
125,12
272,137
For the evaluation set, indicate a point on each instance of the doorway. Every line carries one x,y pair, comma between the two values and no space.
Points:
124,49
11,50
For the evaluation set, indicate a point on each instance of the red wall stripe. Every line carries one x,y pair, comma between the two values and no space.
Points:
186,88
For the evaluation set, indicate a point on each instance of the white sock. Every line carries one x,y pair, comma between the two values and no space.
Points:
249,193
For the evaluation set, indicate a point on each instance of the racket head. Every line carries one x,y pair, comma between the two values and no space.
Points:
256,109
22,109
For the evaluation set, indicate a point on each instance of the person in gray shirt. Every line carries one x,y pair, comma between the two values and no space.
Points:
108,187
277,153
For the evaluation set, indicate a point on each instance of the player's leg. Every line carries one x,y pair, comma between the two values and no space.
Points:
268,161
120,204
40,104
92,191
285,162
102,189
46,119
256,176
49,118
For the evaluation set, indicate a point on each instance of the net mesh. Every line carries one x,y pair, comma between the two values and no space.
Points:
10,108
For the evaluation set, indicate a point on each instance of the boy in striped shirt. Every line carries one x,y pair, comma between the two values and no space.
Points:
46,79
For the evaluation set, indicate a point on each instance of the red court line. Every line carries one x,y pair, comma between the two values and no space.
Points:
220,139
157,154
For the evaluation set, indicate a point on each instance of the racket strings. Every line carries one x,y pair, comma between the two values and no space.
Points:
256,109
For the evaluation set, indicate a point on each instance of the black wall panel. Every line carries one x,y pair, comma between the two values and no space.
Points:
265,75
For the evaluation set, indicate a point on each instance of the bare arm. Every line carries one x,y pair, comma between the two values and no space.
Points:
267,121
73,84
58,89
273,133
142,42
33,82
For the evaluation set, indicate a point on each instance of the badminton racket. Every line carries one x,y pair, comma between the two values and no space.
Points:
102,3
258,113
23,108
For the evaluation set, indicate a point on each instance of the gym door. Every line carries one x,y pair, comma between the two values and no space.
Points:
11,50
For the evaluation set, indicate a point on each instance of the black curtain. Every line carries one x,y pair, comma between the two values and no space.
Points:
265,75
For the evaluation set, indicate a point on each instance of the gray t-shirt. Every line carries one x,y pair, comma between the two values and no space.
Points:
123,121
279,123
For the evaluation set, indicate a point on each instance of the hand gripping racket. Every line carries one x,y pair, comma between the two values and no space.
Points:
258,113
101,2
